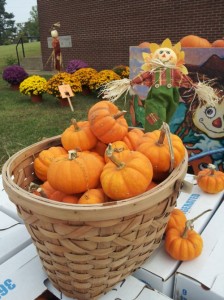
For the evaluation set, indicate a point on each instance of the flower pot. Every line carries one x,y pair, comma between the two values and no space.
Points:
64,102
36,98
14,87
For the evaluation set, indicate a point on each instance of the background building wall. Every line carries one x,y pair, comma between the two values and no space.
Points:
103,30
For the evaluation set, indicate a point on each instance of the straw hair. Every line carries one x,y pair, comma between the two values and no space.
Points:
87,249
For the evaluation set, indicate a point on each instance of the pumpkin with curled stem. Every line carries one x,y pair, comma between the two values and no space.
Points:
78,136
128,174
107,122
76,173
185,244
44,159
210,180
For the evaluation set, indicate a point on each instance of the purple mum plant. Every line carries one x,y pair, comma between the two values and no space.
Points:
75,65
14,74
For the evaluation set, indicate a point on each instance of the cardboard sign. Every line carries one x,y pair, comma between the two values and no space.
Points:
65,91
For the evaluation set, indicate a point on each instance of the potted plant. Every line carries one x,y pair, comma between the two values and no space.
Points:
60,79
14,75
101,78
84,75
74,65
33,86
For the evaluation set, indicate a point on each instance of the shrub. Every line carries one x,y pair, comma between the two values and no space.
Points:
104,76
122,71
34,84
14,74
75,65
60,79
84,75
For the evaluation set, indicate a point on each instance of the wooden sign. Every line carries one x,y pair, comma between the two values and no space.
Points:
66,92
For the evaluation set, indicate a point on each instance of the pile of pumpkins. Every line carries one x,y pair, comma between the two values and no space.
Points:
194,41
102,159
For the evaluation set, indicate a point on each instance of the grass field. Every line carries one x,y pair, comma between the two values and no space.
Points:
24,123
8,52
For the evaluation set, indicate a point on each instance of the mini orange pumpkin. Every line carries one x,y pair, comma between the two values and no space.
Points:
93,196
117,147
47,191
132,138
185,244
45,157
76,173
107,122
128,174
78,136
210,181
177,220
218,43
195,41
155,145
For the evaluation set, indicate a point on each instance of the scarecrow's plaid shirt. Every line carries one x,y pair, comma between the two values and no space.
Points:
163,77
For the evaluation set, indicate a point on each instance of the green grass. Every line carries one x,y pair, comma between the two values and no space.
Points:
9,51
24,123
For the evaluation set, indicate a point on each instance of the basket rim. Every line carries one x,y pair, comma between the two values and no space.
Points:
90,212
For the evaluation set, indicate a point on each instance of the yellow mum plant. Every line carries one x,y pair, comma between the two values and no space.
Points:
60,79
101,78
33,85
84,75
122,71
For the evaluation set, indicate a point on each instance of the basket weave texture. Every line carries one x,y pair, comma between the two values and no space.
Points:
87,249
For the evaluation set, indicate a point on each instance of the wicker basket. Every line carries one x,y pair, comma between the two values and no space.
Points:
87,249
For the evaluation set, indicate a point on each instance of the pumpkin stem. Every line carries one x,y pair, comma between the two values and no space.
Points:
75,124
189,225
72,154
119,114
36,187
110,153
212,168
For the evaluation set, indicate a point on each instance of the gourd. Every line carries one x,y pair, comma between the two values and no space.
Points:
76,173
45,157
93,196
132,138
210,180
195,41
107,122
45,190
218,43
163,149
184,244
128,174
117,147
78,136
177,220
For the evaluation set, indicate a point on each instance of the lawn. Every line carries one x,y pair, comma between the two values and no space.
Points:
8,52
24,123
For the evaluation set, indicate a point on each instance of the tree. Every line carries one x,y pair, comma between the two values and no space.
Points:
29,29
7,25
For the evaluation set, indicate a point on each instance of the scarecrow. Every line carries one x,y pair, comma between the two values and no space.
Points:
56,55
163,71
